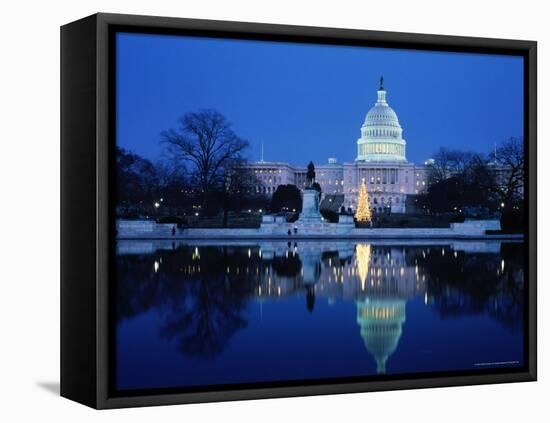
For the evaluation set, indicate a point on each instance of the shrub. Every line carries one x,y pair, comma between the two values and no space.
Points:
286,197
457,219
170,219
292,217
512,220
329,215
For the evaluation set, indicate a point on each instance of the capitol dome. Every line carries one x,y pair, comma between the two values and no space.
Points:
381,115
381,134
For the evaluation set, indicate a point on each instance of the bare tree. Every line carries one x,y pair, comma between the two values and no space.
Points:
169,172
500,177
136,180
460,161
447,163
239,179
511,178
206,140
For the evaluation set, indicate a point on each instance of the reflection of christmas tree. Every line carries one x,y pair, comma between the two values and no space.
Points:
362,257
363,213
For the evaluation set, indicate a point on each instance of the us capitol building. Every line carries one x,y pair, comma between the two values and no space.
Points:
381,162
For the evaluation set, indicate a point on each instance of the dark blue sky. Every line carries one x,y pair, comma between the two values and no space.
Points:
308,102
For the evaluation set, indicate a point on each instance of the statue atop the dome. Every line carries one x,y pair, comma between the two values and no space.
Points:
381,83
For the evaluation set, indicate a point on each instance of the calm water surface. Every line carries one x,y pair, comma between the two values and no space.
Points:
192,314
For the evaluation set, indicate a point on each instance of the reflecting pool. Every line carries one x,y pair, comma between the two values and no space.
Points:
205,313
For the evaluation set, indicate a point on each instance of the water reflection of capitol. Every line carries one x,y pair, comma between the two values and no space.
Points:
378,278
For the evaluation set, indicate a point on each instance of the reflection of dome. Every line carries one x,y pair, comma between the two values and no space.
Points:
381,327
381,135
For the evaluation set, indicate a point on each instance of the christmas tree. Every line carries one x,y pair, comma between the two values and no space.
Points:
363,213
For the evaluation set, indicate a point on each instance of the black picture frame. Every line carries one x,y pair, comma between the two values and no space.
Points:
87,220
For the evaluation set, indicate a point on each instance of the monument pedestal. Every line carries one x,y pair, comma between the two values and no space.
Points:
310,222
310,207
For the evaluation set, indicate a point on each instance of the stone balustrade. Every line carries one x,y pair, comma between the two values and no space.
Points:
278,228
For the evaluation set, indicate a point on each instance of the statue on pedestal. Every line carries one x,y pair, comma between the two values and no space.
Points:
310,175
310,198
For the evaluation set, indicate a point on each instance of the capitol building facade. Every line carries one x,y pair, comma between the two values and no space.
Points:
381,162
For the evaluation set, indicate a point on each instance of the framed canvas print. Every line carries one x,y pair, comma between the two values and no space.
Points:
255,211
